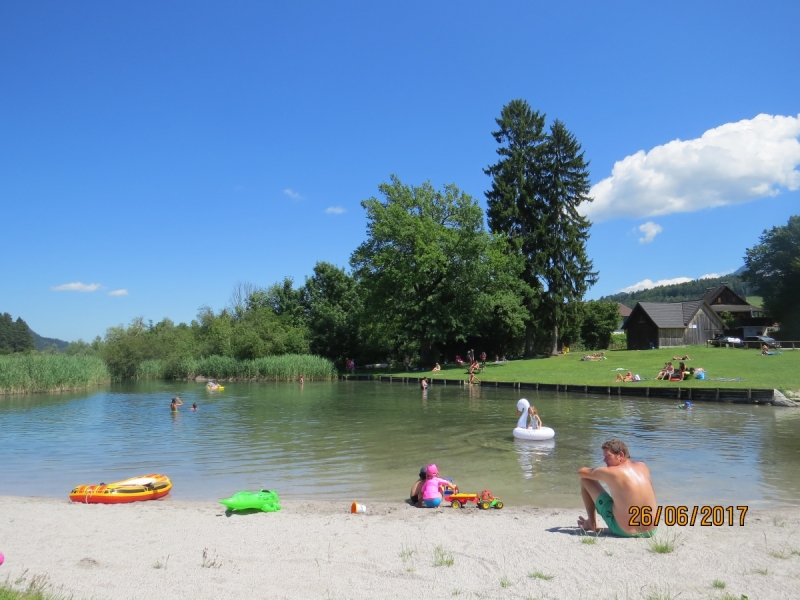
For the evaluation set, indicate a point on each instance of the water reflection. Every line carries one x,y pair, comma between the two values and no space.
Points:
532,455
366,440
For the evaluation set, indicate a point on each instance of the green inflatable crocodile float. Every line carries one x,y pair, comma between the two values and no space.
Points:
264,500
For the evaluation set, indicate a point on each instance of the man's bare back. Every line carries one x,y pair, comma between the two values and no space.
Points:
628,485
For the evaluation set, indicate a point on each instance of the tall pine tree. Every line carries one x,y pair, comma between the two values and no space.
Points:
563,263
537,186
515,198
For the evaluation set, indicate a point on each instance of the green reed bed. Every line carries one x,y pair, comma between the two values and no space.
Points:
276,368
27,373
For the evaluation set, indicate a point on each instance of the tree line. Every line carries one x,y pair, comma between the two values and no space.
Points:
15,336
773,268
435,276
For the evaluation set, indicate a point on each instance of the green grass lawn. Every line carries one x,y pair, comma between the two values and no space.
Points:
781,371
755,301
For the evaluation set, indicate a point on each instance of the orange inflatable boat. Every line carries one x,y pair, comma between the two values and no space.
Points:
144,487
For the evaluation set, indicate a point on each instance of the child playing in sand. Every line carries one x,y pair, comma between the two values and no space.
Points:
431,491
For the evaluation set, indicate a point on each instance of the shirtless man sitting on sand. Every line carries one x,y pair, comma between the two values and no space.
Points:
629,485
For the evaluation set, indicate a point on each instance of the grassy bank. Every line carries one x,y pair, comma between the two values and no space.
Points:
272,368
27,373
781,371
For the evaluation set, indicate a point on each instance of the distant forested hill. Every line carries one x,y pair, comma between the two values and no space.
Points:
680,292
16,336
42,342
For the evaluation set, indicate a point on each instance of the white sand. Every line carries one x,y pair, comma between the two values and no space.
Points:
153,550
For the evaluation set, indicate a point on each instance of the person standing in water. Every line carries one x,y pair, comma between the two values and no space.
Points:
176,402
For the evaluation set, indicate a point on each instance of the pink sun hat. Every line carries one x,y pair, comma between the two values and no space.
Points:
432,469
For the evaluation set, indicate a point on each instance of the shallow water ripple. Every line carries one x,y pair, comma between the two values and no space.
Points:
367,441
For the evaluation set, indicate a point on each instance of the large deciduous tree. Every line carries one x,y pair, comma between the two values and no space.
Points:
600,319
773,267
424,266
333,312
537,186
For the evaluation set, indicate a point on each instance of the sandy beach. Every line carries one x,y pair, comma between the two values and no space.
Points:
317,549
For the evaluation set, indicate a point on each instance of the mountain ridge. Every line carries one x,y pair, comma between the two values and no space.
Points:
682,292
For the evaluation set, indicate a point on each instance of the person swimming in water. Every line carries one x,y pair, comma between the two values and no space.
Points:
176,402
194,406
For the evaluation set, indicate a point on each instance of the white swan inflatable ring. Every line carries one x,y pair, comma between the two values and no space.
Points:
521,431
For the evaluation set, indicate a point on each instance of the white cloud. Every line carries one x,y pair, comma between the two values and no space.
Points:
731,164
334,210
650,231
118,293
292,194
647,284
77,287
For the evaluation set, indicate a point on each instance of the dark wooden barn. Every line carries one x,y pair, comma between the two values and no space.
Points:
668,324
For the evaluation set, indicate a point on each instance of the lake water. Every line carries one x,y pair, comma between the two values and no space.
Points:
366,441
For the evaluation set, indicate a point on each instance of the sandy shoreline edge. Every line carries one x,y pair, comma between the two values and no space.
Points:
317,549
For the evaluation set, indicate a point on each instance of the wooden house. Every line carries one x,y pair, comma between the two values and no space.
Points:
624,313
749,319
668,324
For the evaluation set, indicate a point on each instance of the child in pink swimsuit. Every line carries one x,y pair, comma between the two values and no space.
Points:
431,491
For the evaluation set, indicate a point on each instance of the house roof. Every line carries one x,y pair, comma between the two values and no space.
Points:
664,314
624,311
713,293
670,315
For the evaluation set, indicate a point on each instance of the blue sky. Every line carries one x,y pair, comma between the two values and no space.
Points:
165,152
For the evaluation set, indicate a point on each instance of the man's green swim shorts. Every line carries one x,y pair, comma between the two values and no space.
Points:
605,508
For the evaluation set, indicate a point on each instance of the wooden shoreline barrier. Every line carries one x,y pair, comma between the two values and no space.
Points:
732,395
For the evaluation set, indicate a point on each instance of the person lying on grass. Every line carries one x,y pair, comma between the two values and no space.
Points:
627,377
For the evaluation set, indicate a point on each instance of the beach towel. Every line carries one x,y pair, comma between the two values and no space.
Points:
725,379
